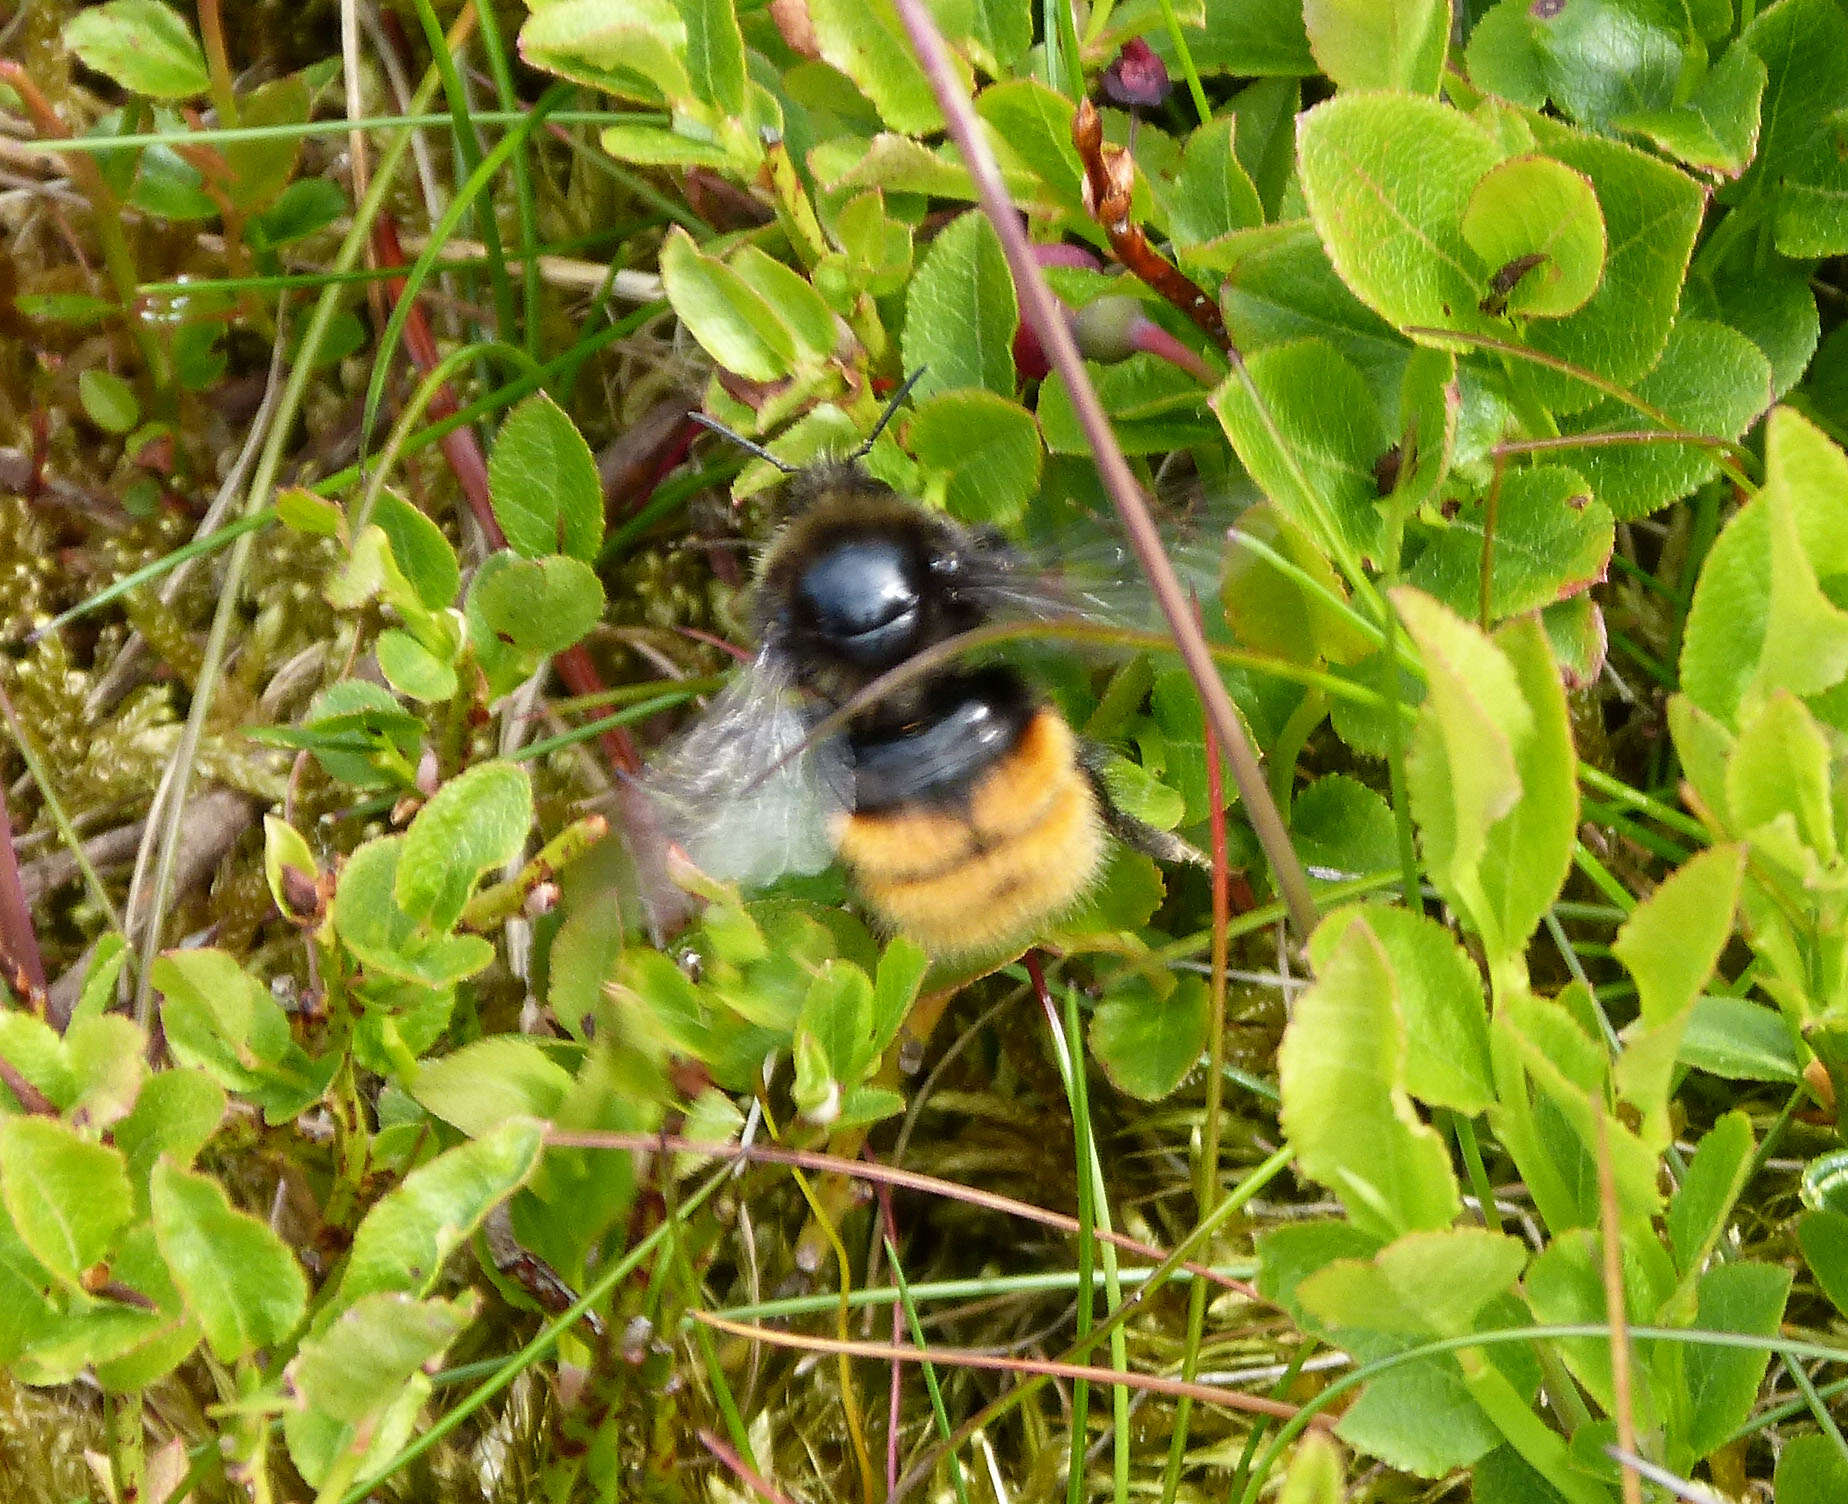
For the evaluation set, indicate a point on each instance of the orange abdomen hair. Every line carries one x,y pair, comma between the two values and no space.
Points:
969,879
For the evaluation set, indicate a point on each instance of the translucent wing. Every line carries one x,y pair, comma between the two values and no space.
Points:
1093,578
741,792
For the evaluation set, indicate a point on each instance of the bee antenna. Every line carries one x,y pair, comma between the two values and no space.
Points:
750,446
891,408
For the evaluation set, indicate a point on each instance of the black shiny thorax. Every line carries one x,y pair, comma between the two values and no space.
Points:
859,580
964,725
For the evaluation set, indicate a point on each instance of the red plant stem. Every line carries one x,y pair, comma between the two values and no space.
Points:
1042,310
462,449
17,938
877,1174
963,1357
1110,180
883,1193
742,1470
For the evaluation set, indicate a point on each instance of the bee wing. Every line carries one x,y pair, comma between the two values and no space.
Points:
1091,579
743,791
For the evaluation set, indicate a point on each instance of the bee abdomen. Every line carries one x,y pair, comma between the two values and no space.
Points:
1020,848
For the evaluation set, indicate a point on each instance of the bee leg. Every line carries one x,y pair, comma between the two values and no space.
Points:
1136,834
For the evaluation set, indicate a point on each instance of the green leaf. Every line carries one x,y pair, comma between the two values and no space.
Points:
960,311
305,207
1345,1108
1804,46
986,450
714,53
1823,1237
651,146
223,1020
1288,1254
795,302
68,1197
1391,226
239,1279
1565,1285
1032,125
1315,1473
1670,945
1380,44
1250,38
1280,287
1601,57
1551,542
107,1055
108,400
1307,429
1780,772
536,607
1651,212
1420,1419
421,552
359,1383
1530,851
901,970
863,38
260,169
1275,611
1698,1211
1461,771
476,821
1760,618
542,480
1716,127
1153,406
837,1013
141,44
402,1243
488,1081
1430,1283
412,669
1148,1044
634,49
1440,999
302,511
1740,1041
1711,380
1745,1297
383,937
1810,1470
179,1109
1772,305
1554,1139
1344,828
1532,206
731,320
1212,195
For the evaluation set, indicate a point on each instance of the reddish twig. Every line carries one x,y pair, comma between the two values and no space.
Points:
877,1174
963,1357
18,939
1109,183
1042,310
742,1470
462,449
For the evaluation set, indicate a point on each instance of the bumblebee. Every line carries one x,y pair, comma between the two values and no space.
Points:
966,810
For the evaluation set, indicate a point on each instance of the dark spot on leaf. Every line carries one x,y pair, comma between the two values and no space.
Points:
1449,507
1387,469
1578,503
1506,280
1545,10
